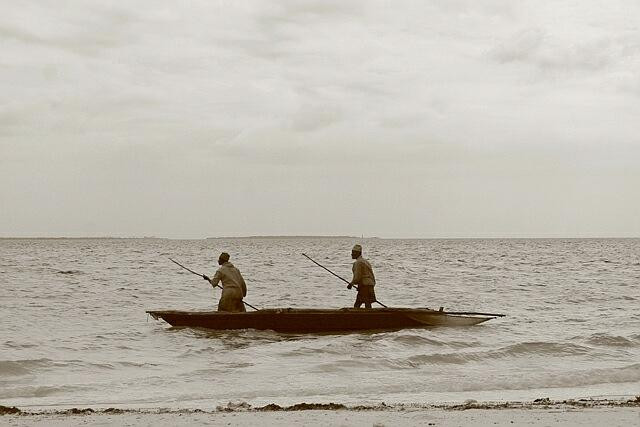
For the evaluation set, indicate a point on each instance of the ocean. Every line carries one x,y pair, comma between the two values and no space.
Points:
74,332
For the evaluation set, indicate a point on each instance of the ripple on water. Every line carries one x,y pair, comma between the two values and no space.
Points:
514,351
412,340
40,391
22,367
543,348
603,339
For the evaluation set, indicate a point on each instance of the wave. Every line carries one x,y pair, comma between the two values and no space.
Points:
612,340
13,344
15,368
544,348
581,378
416,340
515,350
444,358
21,367
348,365
37,391
136,364
69,272
312,351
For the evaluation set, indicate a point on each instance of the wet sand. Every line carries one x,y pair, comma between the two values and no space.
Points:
540,412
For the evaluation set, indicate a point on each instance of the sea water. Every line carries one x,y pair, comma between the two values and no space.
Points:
74,332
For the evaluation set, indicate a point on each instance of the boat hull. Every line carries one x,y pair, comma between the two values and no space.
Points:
317,320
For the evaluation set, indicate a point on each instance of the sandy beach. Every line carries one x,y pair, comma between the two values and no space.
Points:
541,412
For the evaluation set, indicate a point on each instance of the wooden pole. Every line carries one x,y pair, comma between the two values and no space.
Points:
341,278
202,275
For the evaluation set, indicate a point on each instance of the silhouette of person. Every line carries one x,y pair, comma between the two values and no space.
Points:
363,279
233,286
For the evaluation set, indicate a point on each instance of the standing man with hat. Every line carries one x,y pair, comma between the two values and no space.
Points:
363,279
233,286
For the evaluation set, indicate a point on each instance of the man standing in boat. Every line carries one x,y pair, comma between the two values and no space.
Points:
233,286
363,279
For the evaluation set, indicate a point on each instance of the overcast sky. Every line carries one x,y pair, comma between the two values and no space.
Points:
452,118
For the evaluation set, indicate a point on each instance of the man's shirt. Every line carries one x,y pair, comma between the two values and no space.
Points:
230,278
363,273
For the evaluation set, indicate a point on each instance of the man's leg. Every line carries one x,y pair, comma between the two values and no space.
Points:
367,295
223,304
358,302
231,301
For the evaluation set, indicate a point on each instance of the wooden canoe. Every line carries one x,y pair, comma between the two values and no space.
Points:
292,320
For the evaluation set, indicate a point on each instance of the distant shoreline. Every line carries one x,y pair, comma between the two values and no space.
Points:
90,238
308,237
179,238
289,237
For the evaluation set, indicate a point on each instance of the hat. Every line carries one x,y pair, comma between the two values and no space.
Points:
224,256
357,248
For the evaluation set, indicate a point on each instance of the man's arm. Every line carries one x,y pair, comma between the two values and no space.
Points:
373,276
216,278
357,274
243,284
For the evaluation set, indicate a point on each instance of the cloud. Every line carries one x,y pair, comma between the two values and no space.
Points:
314,118
536,48
417,99
520,47
89,32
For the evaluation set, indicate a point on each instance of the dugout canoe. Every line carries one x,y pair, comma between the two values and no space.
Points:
292,320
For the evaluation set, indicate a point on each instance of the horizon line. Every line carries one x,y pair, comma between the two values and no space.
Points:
310,236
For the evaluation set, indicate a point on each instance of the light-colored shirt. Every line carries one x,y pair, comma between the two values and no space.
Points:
363,273
230,278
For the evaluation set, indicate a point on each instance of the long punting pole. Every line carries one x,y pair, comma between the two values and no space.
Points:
341,278
202,275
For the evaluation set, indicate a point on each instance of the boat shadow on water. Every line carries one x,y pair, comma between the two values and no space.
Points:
271,335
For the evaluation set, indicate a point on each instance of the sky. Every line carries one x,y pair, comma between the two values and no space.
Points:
398,119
